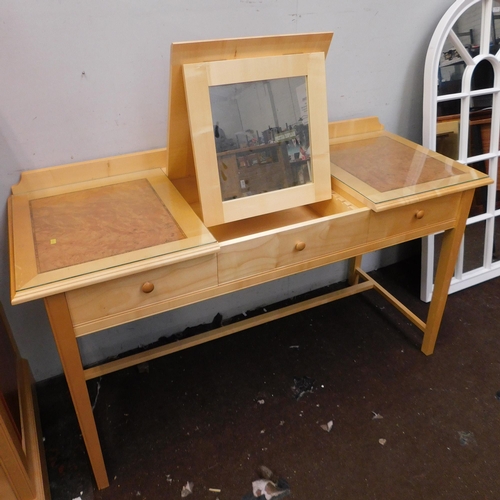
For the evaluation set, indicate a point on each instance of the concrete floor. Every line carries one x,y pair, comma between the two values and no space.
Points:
215,413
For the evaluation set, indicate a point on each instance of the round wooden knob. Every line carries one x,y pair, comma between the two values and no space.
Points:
299,246
419,214
147,287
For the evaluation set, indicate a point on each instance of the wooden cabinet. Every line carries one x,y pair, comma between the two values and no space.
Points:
23,474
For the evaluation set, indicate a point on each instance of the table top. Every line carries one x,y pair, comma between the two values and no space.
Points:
81,224
84,226
384,170
71,236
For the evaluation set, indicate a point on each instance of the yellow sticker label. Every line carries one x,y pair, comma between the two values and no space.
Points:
53,241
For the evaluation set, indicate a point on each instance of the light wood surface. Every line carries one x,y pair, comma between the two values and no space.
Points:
240,254
104,168
126,295
180,153
447,258
406,171
84,226
23,473
98,224
62,328
366,158
198,77
13,460
33,438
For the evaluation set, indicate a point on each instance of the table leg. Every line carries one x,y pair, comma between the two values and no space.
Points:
353,276
62,329
446,266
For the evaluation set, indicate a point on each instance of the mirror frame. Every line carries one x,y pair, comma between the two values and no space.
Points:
199,77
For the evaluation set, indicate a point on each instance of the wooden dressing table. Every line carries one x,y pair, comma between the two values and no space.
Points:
110,241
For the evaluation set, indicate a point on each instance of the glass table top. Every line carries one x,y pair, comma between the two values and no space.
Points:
87,231
384,168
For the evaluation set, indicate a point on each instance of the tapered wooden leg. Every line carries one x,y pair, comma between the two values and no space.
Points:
446,266
354,263
62,329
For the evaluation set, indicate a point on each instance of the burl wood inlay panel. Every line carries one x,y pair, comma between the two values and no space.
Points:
386,164
88,225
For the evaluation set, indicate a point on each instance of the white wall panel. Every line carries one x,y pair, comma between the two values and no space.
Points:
87,79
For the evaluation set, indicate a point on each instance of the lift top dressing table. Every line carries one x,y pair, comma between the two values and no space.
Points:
231,203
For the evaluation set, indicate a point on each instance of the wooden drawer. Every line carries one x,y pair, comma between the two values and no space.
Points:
264,252
412,220
132,296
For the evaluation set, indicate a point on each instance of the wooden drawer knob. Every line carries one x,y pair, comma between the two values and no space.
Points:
299,246
419,214
147,287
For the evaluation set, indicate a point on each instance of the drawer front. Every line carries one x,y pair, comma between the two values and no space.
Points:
410,221
264,253
141,290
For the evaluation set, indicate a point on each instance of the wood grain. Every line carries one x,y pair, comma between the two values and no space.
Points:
83,226
385,164
180,153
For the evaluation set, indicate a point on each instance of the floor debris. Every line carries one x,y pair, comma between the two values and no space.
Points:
268,486
187,489
327,427
466,438
97,393
382,441
301,386
267,489
376,416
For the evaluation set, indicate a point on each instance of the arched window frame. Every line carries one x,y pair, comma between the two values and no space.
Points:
443,32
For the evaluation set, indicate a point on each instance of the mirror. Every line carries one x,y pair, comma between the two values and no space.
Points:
461,121
261,132
463,70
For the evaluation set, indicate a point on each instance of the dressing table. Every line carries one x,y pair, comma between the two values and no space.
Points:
113,240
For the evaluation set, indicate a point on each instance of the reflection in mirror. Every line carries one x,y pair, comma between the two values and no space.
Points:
480,200
451,65
496,240
261,132
451,69
438,243
468,28
448,128
474,238
482,78
495,27
480,127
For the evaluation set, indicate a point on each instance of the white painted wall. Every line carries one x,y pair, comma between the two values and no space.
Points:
86,79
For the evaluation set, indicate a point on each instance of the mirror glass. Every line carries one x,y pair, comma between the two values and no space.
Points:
474,239
448,128
451,69
467,29
480,200
495,27
496,240
261,133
